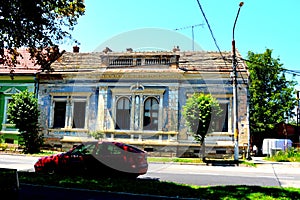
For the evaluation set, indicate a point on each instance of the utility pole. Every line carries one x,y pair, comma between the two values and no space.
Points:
298,115
235,98
192,27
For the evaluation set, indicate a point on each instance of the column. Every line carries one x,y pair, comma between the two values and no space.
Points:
102,103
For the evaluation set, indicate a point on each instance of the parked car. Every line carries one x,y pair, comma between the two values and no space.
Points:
97,158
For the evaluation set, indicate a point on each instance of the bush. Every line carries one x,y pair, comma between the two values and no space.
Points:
290,155
24,113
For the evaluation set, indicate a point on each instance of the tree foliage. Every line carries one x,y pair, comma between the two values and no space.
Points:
36,24
200,112
24,113
272,98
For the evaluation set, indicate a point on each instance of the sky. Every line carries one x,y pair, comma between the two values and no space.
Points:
261,24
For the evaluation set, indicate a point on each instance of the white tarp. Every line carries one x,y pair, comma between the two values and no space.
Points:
270,145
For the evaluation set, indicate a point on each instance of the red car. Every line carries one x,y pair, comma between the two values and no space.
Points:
97,158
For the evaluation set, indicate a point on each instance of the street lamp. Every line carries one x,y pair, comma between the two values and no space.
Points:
235,100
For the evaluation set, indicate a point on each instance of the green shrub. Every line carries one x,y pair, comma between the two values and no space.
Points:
3,146
290,155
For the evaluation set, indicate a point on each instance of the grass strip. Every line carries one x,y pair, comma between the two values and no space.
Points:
163,188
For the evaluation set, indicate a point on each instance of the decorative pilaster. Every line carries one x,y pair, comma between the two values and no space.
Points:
173,108
102,104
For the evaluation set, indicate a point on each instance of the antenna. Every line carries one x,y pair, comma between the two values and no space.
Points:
192,27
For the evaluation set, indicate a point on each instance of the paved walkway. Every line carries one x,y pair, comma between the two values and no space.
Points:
260,161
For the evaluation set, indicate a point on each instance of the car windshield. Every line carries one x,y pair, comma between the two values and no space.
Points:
84,149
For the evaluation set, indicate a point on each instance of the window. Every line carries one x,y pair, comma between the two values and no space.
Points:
59,114
7,101
151,114
69,112
123,114
84,149
137,108
78,114
222,123
6,126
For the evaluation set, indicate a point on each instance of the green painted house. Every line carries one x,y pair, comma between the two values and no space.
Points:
23,77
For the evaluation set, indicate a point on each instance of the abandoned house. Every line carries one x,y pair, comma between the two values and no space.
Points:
137,97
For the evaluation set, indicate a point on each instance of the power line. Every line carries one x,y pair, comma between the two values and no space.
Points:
211,32
294,72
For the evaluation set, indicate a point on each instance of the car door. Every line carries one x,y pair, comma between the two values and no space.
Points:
110,157
81,158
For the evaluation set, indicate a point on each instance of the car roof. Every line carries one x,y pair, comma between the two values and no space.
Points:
119,144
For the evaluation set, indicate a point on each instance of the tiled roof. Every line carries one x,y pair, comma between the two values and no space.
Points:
187,61
25,65
207,61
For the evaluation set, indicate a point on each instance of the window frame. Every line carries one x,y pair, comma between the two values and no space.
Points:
53,110
222,121
74,113
138,113
225,100
70,100
8,96
151,126
6,102
126,126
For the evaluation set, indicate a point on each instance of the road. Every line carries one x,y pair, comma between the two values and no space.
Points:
272,174
19,162
265,175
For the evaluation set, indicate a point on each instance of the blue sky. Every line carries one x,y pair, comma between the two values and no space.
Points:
273,24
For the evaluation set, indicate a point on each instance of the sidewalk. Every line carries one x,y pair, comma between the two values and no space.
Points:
260,161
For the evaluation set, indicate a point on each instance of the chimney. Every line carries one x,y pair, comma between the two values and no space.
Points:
106,50
176,48
129,50
75,49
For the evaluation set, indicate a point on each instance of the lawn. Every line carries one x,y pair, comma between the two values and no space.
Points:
156,187
170,189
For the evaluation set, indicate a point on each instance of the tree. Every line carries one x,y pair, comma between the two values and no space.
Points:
36,24
272,98
23,112
200,112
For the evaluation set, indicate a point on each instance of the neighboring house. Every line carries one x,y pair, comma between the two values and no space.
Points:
137,97
280,131
21,78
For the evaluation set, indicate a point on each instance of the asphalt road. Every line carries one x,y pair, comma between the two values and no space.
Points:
272,174
266,174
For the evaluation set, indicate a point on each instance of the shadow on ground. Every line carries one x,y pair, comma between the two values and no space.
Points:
161,188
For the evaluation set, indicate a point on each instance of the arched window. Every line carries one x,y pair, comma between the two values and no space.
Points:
123,113
151,114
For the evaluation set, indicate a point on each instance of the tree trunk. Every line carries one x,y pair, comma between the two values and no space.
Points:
203,151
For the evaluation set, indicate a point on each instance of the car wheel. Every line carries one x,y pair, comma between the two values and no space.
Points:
50,169
131,175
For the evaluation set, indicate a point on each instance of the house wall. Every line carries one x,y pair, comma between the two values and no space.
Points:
169,86
9,87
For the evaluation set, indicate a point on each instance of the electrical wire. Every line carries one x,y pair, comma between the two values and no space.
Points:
211,32
289,71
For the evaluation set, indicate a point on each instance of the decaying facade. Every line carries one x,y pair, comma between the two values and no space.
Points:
137,97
